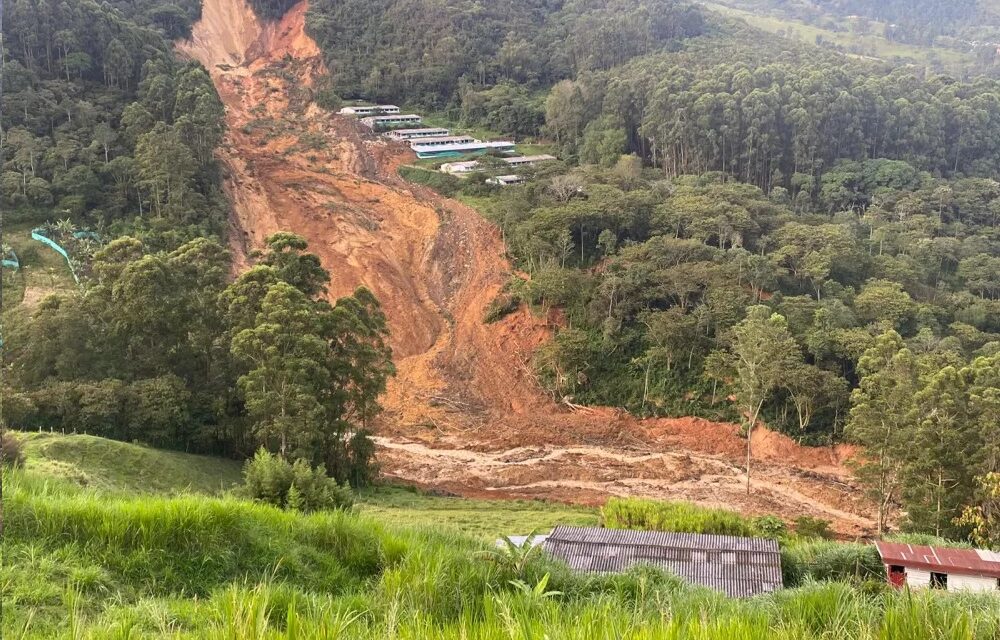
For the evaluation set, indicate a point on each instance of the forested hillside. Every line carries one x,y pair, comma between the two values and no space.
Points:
110,132
428,52
105,126
759,221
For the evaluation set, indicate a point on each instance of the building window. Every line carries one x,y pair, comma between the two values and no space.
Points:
939,580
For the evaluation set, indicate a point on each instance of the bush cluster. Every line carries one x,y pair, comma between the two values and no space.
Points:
295,485
11,451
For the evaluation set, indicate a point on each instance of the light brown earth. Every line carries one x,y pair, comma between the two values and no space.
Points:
464,414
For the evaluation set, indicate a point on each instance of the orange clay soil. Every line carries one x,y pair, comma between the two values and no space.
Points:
464,414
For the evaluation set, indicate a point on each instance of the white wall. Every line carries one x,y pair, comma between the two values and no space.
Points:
920,579
971,583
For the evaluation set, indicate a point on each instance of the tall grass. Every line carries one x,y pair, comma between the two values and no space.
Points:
682,517
84,565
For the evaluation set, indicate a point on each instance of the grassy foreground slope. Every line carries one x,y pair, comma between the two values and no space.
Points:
81,563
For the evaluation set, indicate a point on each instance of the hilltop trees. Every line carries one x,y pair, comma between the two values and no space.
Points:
436,54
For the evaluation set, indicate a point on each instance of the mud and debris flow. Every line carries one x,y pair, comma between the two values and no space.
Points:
464,414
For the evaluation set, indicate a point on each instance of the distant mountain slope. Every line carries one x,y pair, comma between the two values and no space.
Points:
425,51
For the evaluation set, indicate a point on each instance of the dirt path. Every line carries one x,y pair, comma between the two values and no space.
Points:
464,413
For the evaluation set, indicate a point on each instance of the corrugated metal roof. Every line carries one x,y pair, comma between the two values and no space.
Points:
975,562
423,142
423,131
738,567
538,158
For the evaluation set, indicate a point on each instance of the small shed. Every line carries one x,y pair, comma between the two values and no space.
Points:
919,566
738,567
459,167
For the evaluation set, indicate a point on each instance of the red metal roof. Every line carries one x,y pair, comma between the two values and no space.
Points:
946,560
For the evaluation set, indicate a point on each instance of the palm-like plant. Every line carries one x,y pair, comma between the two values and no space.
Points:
65,227
512,557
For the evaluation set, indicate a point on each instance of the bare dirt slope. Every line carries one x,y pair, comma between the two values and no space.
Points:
464,413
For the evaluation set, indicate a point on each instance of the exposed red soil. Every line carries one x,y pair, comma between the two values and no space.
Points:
465,413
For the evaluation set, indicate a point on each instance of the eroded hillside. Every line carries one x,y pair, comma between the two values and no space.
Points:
465,413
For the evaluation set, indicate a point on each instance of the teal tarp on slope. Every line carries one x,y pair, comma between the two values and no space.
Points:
37,234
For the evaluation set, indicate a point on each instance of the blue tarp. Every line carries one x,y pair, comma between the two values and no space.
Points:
39,235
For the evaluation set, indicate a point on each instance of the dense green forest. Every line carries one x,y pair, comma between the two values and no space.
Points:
430,52
160,349
750,225
107,130
105,126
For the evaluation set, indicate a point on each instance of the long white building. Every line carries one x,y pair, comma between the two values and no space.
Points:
421,144
369,110
414,134
391,121
469,166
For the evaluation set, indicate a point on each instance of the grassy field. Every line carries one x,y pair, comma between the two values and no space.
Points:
486,519
93,549
108,466
870,45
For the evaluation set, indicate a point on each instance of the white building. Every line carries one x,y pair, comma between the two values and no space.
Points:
369,110
455,149
391,121
506,181
468,166
921,567
413,134
421,144
521,161
471,165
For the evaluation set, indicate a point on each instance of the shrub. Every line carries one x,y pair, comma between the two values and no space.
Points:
629,513
770,527
810,527
11,451
446,185
273,480
827,560
326,98
501,306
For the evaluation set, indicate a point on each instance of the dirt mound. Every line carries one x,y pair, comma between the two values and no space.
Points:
465,412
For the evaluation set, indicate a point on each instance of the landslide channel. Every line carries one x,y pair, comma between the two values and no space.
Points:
464,414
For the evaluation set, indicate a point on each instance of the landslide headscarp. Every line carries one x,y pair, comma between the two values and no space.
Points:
465,412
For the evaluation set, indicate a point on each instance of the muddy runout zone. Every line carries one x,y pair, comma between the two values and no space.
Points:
464,414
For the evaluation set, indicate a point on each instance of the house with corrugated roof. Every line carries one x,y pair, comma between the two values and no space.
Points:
738,567
919,566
